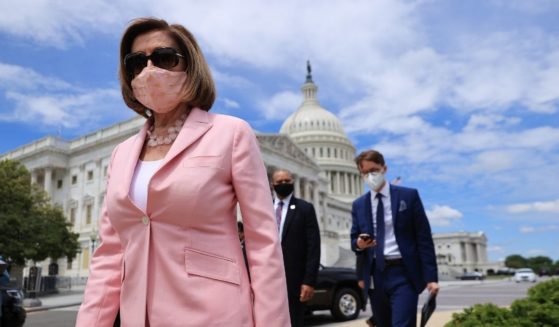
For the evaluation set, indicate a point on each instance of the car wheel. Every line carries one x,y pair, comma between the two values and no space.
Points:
346,304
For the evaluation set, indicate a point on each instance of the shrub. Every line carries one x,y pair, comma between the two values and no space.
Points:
540,308
481,315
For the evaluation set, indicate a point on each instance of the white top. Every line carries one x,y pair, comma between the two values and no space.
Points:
140,182
283,211
391,249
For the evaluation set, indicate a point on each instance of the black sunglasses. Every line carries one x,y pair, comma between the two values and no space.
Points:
165,58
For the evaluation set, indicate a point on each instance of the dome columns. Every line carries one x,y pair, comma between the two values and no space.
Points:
344,183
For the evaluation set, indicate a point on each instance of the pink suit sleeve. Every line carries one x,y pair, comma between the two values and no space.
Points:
261,234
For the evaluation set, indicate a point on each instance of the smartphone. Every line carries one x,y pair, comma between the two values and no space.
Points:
365,237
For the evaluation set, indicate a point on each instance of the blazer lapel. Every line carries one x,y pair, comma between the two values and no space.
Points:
394,200
197,124
133,156
289,217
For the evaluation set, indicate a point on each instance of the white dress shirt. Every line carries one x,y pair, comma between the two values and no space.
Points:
140,182
283,210
391,250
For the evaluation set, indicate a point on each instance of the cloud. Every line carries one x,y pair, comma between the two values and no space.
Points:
45,101
60,24
231,103
441,215
484,121
280,105
531,7
543,229
535,207
68,110
382,52
495,249
17,77
467,107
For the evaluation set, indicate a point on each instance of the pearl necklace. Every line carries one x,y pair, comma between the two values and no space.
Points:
172,133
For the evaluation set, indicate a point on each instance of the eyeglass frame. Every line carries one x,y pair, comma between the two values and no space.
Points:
156,52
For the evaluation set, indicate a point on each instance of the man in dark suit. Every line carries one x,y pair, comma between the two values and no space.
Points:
390,223
300,243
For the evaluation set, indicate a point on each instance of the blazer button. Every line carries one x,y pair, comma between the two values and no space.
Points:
145,220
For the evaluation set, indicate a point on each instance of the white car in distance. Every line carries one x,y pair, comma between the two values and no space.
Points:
524,275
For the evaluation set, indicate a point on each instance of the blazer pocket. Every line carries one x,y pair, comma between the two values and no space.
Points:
209,265
203,161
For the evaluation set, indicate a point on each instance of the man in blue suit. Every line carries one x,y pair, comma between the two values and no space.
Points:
390,223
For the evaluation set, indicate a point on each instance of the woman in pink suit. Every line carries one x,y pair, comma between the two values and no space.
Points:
169,253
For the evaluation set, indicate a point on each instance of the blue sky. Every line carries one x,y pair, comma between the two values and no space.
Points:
462,97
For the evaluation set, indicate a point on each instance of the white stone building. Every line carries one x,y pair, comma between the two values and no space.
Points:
311,144
462,252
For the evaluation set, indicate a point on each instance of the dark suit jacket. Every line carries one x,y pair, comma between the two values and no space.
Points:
300,243
412,230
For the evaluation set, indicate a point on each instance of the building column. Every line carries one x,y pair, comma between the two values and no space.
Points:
324,211
297,187
316,203
360,184
337,189
48,181
480,258
315,196
98,176
346,184
33,176
475,253
351,184
307,187
469,254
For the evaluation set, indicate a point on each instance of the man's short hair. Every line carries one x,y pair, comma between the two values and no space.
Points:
369,155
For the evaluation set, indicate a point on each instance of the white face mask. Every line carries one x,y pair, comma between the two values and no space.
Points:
374,180
159,89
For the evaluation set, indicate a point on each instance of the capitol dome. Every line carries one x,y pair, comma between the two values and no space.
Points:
321,135
311,117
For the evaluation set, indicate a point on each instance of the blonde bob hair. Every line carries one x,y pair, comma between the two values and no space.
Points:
199,90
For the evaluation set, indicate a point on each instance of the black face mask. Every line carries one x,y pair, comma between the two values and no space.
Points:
283,190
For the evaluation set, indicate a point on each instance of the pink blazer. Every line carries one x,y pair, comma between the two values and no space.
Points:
180,263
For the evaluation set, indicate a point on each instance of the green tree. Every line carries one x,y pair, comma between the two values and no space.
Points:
515,261
539,262
32,229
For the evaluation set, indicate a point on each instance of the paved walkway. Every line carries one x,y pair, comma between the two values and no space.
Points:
66,298
74,297
439,319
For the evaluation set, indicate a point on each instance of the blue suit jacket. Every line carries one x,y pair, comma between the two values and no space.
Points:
412,230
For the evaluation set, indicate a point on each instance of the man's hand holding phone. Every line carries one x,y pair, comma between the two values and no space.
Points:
365,241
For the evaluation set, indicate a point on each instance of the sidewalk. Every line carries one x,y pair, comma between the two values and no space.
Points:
66,298
74,297
438,319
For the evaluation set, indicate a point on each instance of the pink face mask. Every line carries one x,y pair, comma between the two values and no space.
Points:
159,89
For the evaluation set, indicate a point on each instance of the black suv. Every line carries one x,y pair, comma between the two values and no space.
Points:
337,290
